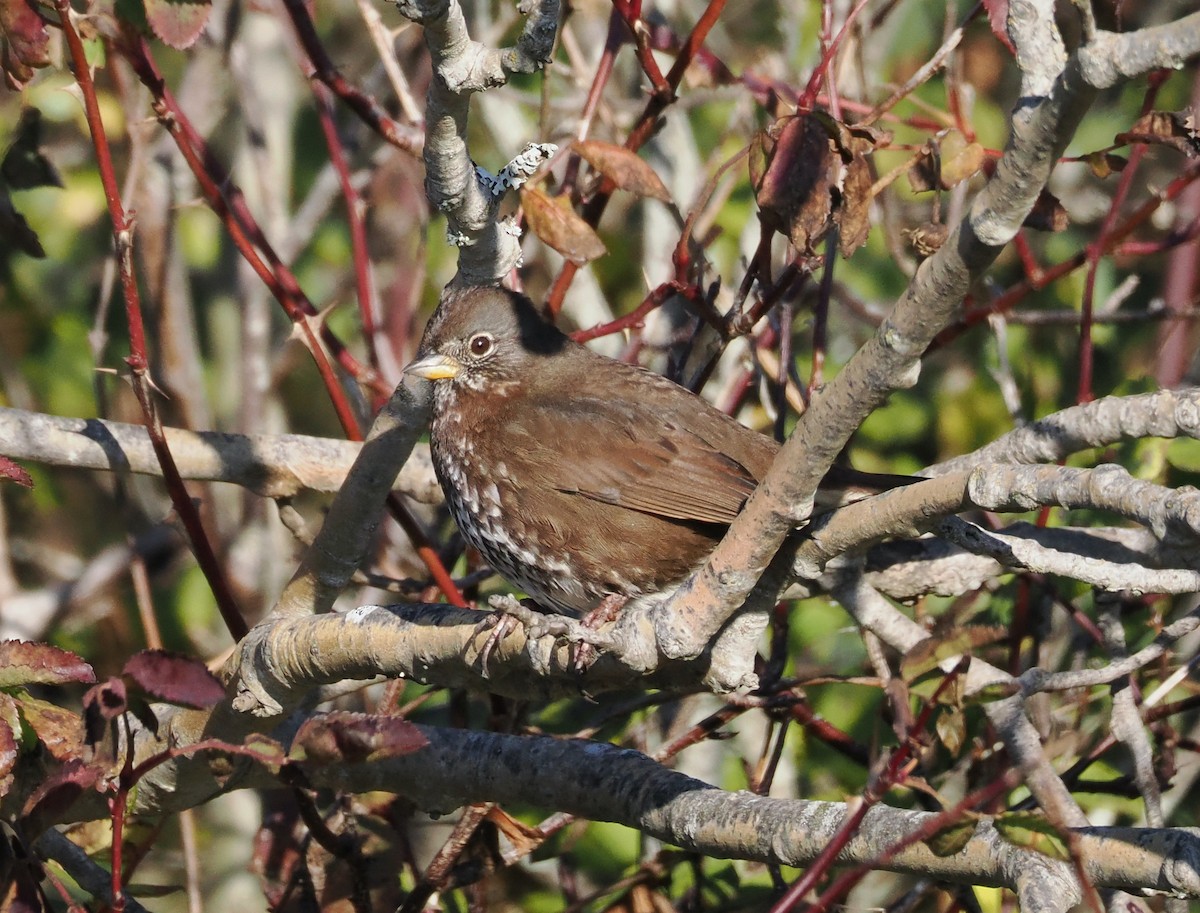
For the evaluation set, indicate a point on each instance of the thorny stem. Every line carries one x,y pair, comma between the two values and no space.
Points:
137,359
410,139
642,130
1095,252
230,206
354,220
1113,242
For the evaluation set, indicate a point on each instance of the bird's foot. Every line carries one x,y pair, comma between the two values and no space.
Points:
584,634
509,614
608,610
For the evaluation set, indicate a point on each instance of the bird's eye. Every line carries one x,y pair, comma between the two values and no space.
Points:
480,344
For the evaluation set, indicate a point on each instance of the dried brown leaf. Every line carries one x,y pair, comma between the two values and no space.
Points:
525,839
958,164
350,738
1105,163
951,726
624,168
561,228
1176,129
926,238
794,167
853,217
1047,214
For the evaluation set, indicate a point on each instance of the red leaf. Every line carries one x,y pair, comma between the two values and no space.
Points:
10,733
997,11
61,789
1176,129
353,737
14,473
23,42
178,23
174,678
23,663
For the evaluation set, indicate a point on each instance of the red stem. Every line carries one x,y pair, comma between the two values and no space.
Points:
642,130
1095,253
1112,242
410,139
137,360
821,71
354,220
230,206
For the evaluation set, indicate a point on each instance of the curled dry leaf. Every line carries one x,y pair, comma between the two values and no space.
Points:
1177,129
1105,163
926,238
947,163
560,227
951,726
961,162
624,168
810,173
524,839
24,42
1047,214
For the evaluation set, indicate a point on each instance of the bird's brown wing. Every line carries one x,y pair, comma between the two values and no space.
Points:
622,453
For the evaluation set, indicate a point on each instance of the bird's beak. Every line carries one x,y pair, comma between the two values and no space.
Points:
435,367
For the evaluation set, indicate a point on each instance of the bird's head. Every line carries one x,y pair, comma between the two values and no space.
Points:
483,337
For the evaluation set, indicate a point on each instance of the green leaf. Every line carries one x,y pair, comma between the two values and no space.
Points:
1184,453
1032,831
953,837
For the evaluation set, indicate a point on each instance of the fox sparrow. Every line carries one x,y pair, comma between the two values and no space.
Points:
581,479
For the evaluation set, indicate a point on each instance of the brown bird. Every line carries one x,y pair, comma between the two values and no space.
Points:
581,479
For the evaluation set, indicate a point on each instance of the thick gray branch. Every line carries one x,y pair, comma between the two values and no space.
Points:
272,465
603,783
462,67
1051,107
1167,413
